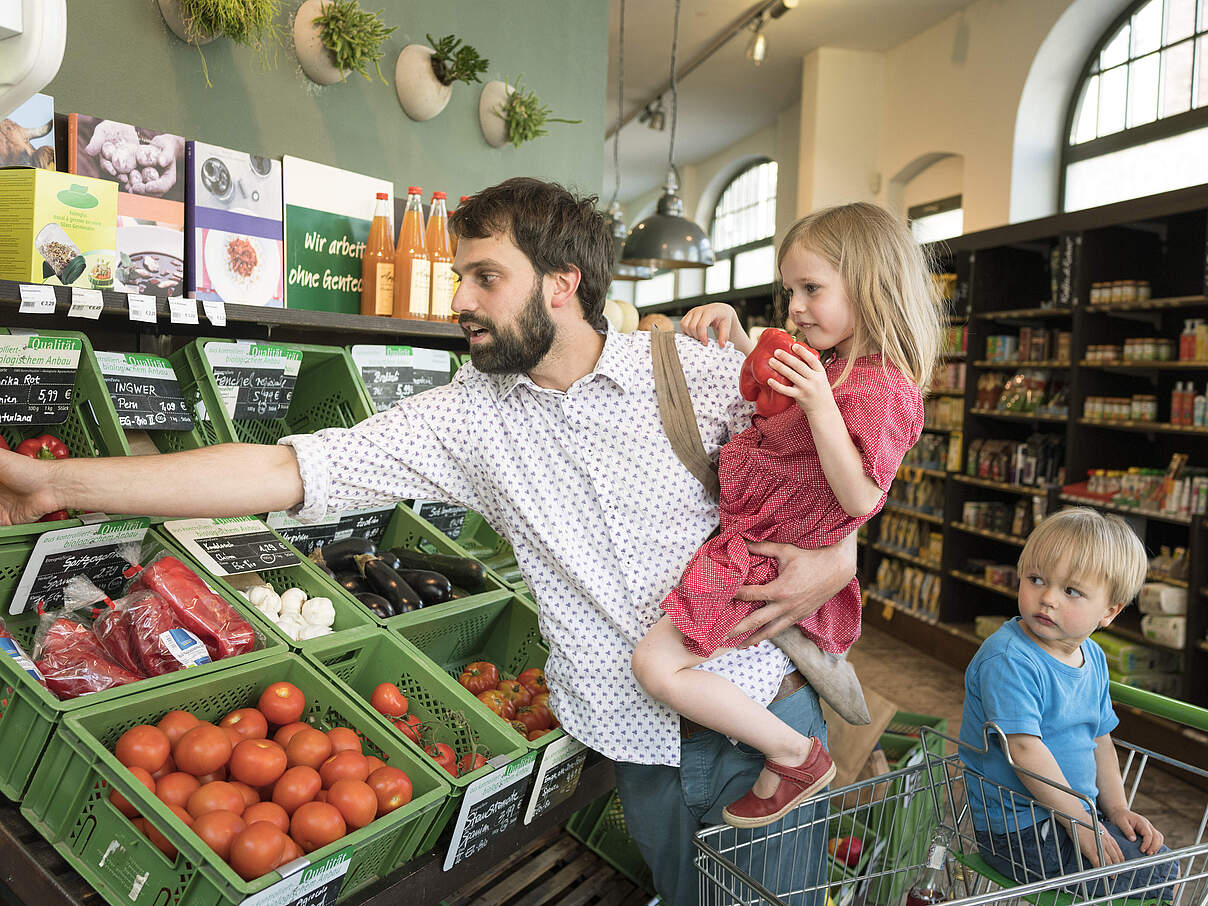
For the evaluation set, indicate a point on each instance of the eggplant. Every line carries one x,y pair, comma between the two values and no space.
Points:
353,583
432,587
389,584
339,555
376,603
326,570
469,574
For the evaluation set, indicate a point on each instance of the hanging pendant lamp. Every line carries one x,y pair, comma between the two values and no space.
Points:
621,271
667,239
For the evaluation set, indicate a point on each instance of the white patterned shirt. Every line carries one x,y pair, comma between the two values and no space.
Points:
600,512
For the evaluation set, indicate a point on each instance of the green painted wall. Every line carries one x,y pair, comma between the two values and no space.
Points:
123,62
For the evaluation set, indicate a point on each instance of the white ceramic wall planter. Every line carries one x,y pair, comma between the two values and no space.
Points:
316,60
490,102
419,90
175,20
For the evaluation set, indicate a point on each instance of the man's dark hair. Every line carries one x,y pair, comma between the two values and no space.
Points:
555,229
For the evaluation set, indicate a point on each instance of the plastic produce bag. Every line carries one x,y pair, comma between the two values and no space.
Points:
72,659
11,647
198,609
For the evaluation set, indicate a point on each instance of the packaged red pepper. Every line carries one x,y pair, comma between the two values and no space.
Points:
71,658
753,378
10,646
162,644
219,626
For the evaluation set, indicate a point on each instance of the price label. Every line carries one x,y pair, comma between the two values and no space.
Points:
229,546
490,807
215,311
255,381
305,884
86,303
37,379
429,368
141,307
386,371
448,517
557,777
145,392
306,536
94,551
182,311
37,299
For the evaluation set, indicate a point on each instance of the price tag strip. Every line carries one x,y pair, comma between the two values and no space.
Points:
37,379
145,391
182,311
448,517
306,536
254,380
215,311
37,299
557,777
86,303
306,884
490,807
85,550
141,307
232,545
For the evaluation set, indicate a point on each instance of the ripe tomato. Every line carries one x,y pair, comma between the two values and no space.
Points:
498,702
286,733
176,788
310,747
471,761
410,727
292,849
168,767
541,698
217,830
297,785
220,774
444,756
247,722
203,750
175,723
392,788
533,679
344,766
162,843
218,796
344,739
143,746
124,805
374,763
387,699
356,801
533,718
258,762
537,734
267,811
257,850
479,676
233,735
519,727
315,824
516,692
282,703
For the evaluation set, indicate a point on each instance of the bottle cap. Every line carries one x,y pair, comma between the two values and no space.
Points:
436,195
382,196
415,190
465,198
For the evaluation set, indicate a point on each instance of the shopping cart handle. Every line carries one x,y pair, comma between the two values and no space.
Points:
1160,706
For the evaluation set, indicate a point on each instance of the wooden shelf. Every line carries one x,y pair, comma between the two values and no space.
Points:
1029,490
900,554
1020,416
1144,427
921,470
952,355
1011,593
1151,304
988,533
887,601
1127,511
1015,363
1023,314
1144,365
942,430
911,511
1180,583
957,393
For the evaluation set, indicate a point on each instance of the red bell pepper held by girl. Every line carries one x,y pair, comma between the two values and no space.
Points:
756,370
47,446
199,610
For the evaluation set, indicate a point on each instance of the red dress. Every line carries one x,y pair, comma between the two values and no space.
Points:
773,489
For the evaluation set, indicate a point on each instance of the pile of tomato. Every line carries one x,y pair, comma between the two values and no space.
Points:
258,802
387,699
523,702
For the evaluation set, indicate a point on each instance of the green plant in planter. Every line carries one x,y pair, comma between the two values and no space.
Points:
353,35
248,22
526,116
453,61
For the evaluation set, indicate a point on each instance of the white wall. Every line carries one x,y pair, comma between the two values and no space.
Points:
943,179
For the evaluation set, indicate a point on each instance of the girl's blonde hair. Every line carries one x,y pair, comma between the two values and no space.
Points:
887,275
1088,546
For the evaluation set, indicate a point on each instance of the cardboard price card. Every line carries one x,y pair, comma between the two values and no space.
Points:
305,884
145,391
93,551
490,807
233,545
557,777
429,368
306,536
37,379
254,380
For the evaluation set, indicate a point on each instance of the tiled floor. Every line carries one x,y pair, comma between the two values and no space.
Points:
917,682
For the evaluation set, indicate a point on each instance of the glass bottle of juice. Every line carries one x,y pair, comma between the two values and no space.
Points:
440,254
452,235
377,266
931,885
411,269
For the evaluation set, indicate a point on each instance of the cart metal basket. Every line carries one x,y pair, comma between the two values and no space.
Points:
896,815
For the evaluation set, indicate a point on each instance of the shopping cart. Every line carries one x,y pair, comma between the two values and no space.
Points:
895,816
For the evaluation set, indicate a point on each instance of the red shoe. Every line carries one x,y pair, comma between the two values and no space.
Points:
798,783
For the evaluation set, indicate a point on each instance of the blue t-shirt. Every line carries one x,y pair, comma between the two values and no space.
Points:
1024,689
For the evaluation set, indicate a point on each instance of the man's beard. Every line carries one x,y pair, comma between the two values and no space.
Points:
518,349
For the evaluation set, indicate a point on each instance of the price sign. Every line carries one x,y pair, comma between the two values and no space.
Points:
557,777
429,368
215,311
141,307
386,371
182,311
306,536
145,391
448,517
93,551
37,299
490,807
86,303
254,380
305,884
37,379
229,546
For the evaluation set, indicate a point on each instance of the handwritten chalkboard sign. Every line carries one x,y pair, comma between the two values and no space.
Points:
557,777
255,381
37,379
385,371
241,544
490,807
306,536
448,517
429,368
95,552
145,392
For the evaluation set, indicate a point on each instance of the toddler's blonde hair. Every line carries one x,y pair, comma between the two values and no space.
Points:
887,275
1090,547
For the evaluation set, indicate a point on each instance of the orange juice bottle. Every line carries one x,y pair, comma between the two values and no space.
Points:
440,255
412,272
377,266
452,235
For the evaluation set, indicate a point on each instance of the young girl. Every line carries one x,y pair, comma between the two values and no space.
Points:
859,290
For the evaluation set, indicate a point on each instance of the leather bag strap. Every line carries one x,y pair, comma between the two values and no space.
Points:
676,412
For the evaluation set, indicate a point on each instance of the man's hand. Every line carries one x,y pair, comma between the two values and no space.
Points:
807,579
26,489
1132,824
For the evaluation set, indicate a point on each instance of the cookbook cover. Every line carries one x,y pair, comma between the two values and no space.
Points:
148,167
234,239
27,135
328,212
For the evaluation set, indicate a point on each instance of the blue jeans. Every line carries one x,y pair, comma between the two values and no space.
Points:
665,806
1046,851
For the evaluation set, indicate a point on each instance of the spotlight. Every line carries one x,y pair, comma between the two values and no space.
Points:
654,116
757,47
782,7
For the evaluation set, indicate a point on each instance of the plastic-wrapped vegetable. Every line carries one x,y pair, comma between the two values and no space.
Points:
219,626
162,644
71,658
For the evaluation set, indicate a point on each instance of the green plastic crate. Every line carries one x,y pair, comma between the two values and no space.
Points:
29,713
904,748
580,824
481,542
610,840
68,799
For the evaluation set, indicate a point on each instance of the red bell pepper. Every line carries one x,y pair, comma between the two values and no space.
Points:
756,370
45,447
3,444
74,662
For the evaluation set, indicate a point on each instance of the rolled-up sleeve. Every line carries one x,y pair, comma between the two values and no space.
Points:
416,449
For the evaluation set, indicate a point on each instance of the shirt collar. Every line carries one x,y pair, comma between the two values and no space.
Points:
616,363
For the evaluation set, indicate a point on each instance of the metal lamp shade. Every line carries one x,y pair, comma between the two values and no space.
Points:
624,271
667,239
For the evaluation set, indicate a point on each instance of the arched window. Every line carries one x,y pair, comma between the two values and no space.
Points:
743,228
1138,121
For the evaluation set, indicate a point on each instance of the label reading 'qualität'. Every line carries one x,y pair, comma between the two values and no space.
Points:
37,379
145,391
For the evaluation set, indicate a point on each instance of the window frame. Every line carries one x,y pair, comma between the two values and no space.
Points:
733,251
